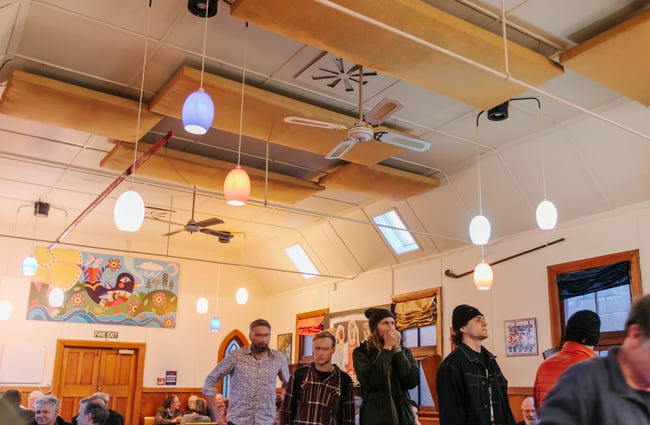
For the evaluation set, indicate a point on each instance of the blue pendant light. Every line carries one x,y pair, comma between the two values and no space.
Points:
215,324
30,266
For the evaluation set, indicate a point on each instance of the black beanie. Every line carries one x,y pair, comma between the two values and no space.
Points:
462,314
376,315
583,327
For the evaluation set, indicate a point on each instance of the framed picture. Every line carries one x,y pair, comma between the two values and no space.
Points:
284,345
521,337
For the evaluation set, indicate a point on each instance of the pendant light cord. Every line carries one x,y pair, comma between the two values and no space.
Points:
205,37
243,85
144,68
360,92
478,170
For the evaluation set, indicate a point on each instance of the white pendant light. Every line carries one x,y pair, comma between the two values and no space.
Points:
215,324
483,276
546,215
241,295
56,297
30,266
202,305
5,310
128,212
480,230
198,109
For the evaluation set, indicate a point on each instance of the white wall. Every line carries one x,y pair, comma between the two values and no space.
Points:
519,291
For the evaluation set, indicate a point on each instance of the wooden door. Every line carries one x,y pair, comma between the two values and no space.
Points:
84,367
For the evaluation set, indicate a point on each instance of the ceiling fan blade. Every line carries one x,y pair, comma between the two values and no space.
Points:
341,149
403,141
313,123
221,234
174,232
209,222
383,110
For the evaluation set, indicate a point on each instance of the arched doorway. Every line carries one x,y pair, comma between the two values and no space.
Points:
233,341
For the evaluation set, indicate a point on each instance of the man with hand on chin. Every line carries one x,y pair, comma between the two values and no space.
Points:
471,388
386,371
253,370
320,393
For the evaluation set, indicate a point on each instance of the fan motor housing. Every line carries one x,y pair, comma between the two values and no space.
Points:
360,132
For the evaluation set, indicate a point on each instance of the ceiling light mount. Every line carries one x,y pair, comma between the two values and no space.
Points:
41,209
500,112
197,7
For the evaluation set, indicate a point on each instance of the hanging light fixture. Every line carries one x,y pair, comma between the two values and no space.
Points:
237,186
5,310
483,276
215,322
479,227
128,212
202,305
546,213
241,295
198,109
30,266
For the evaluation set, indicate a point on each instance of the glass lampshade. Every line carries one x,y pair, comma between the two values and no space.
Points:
30,266
202,305
215,324
5,310
483,276
237,187
546,215
479,230
56,297
198,112
241,295
128,212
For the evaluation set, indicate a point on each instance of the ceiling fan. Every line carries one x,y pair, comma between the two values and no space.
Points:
193,226
362,129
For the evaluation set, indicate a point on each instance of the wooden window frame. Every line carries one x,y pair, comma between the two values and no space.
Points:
300,316
556,307
241,339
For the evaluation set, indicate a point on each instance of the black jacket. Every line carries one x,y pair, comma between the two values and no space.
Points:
374,368
464,385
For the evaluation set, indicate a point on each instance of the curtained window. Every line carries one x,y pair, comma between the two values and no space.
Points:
310,326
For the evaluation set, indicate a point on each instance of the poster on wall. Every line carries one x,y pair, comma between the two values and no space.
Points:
521,337
105,289
350,328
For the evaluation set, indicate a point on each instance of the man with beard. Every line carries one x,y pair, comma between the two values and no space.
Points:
253,370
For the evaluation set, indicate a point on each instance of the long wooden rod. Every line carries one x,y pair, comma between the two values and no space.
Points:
449,273
131,168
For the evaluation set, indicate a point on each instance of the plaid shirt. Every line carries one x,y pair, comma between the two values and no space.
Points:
319,403
252,385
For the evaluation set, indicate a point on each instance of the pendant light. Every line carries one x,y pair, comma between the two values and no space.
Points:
29,266
198,109
546,213
483,275
237,186
128,212
215,322
241,295
5,309
202,305
479,227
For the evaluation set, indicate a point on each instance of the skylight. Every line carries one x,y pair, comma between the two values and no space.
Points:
399,239
302,262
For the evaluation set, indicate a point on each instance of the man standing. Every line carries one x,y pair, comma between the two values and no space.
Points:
253,370
471,388
92,412
581,335
529,412
320,393
46,411
612,390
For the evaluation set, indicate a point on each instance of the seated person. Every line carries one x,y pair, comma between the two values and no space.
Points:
13,398
169,413
114,418
222,405
47,411
92,412
190,404
199,412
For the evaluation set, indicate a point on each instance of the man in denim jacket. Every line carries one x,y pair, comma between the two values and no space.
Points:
471,388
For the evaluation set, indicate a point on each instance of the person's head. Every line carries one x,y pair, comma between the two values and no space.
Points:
529,411
583,327
468,323
380,321
259,335
353,332
12,396
324,348
635,350
172,403
46,410
101,396
32,397
92,412
191,402
200,406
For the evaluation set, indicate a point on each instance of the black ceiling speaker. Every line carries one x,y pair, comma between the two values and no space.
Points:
41,209
197,7
499,112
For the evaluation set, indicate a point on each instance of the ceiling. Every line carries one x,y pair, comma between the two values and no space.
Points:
72,76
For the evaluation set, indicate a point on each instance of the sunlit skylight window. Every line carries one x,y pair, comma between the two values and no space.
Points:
302,262
396,234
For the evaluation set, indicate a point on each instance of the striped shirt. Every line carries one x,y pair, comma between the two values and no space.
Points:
252,385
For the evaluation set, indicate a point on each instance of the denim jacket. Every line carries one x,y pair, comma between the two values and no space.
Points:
465,387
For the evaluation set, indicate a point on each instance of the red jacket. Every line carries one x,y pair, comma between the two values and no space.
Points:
551,369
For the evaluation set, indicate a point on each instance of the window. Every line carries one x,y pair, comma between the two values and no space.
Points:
232,346
605,284
307,325
394,231
301,260
231,342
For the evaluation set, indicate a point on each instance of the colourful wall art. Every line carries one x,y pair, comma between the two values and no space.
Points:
106,289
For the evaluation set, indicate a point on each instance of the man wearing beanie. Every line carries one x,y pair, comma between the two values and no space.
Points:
471,388
582,333
386,371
